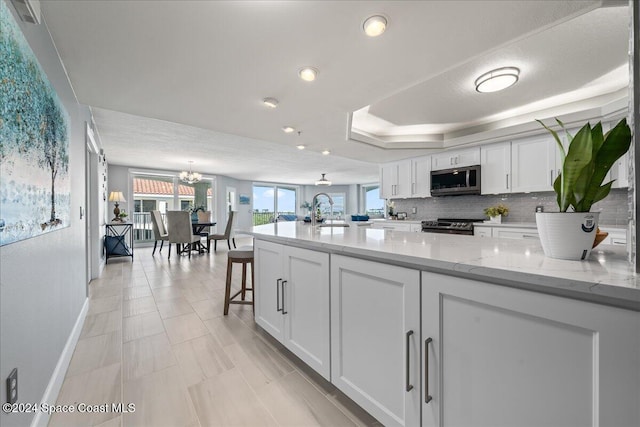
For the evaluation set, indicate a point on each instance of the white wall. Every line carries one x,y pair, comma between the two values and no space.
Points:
43,279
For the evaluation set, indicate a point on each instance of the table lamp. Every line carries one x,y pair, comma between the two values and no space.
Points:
117,197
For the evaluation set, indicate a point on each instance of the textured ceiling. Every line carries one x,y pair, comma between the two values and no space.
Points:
148,68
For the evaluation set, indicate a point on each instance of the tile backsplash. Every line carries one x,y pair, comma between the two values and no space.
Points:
614,208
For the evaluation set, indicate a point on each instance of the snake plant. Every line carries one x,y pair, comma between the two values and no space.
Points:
586,163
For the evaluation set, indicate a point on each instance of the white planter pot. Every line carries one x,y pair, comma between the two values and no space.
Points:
567,235
495,219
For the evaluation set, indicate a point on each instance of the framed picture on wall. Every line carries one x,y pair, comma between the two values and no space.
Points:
245,199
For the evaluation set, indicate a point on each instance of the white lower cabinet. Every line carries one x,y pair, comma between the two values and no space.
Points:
500,356
375,338
292,301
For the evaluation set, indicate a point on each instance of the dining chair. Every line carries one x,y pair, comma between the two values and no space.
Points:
159,230
181,232
226,236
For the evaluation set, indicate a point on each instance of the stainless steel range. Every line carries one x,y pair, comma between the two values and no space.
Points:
450,225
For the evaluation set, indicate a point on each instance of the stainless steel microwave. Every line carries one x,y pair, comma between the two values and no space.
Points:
458,181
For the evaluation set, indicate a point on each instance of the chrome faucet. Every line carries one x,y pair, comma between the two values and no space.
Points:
313,204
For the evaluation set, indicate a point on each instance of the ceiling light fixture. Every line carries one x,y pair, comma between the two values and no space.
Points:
270,102
300,147
308,74
323,181
287,129
326,152
498,79
190,177
375,25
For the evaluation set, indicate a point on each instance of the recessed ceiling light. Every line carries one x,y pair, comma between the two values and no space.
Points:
270,102
498,79
326,152
301,147
375,25
287,129
308,74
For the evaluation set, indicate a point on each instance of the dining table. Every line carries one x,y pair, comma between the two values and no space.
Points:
198,228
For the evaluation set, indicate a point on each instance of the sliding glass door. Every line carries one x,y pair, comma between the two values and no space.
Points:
272,201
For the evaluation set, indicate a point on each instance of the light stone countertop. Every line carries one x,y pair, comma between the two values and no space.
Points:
605,278
533,225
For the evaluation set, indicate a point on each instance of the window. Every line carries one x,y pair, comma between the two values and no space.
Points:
373,204
267,207
338,205
163,193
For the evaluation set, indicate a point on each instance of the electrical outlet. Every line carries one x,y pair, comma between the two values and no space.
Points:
12,386
414,210
539,208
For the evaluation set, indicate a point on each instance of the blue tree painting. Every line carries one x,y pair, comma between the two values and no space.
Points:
35,194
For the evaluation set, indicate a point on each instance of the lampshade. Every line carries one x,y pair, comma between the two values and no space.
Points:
116,196
323,181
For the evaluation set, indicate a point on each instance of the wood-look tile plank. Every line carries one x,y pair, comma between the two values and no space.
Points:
95,352
136,292
174,307
146,355
229,329
104,305
293,401
201,358
101,323
184,328
259,363
161,399
209,308
165,293
141,326
96,387
136,306
227,400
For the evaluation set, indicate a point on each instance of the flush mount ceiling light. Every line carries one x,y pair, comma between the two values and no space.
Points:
375,25
190,177
300,147
498,79
270,102
287,129
326,152
308,74
323,181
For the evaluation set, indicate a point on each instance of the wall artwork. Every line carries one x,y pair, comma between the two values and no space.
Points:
35,188
245,199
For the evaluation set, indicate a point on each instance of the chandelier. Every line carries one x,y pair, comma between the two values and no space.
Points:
190,177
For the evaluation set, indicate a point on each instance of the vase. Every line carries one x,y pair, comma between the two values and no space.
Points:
495,219
567,235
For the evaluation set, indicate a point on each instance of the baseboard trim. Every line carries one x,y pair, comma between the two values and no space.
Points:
57,378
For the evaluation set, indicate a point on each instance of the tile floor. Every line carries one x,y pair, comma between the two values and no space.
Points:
155,336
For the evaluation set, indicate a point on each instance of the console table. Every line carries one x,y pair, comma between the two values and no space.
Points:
115,240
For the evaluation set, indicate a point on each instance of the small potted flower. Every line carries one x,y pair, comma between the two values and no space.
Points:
495,213
391,206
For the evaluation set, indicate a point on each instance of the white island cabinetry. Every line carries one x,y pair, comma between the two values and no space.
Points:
375,338
504,356
292,300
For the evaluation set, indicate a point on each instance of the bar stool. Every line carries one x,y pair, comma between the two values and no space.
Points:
244,256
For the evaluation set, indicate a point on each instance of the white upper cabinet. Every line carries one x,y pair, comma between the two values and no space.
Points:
396,180
620,172
455,158
533,164
421,177
495,162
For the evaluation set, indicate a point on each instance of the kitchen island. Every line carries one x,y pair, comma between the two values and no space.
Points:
436,329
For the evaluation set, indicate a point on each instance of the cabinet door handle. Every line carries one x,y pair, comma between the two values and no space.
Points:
427,397
551,177
283,298
278,295
408,385
507,181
